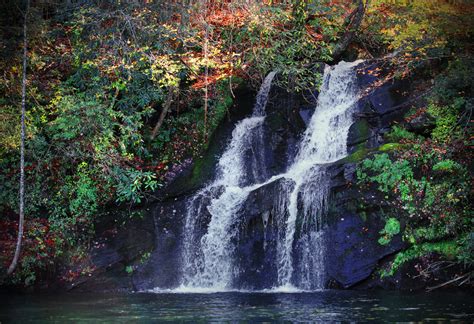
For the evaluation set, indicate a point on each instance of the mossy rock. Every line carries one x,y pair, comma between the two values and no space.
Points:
391,147
359,133
357,156
202,168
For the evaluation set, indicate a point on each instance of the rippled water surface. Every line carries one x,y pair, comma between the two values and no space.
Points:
237,306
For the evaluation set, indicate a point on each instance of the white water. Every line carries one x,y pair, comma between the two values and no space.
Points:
208,261
324,142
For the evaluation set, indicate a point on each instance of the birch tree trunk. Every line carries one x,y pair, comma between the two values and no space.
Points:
21,221
206,67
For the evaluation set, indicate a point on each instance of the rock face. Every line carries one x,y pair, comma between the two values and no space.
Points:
356,216
162,268
282,129
116,248
350,230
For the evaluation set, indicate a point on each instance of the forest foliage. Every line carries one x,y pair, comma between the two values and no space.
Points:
122,95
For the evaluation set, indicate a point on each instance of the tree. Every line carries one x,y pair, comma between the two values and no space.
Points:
206,66
172,92
21,221
353,23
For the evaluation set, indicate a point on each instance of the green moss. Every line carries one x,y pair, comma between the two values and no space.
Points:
220,109
390,147
360,129
196,175
202,164
359,133
357,156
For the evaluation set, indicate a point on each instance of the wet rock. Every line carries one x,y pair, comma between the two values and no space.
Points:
256,244
355,252
351,231
196,174
163,268
115,248
359,133
422,124
306,114
356,215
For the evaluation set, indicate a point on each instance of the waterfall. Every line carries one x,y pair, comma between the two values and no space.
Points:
208,259
305,193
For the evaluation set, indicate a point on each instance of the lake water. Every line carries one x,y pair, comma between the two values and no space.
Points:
329,305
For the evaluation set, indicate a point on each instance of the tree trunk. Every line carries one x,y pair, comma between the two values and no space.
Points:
164,111
21,221
206,67
355,20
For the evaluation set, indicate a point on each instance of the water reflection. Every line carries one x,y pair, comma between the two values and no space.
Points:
235,306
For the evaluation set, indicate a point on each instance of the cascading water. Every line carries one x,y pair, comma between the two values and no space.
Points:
305,192
208,260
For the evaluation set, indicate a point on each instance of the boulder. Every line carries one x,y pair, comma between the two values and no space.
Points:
355,252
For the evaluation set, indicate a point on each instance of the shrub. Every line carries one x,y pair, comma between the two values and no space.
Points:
398,134
392,228
430,195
